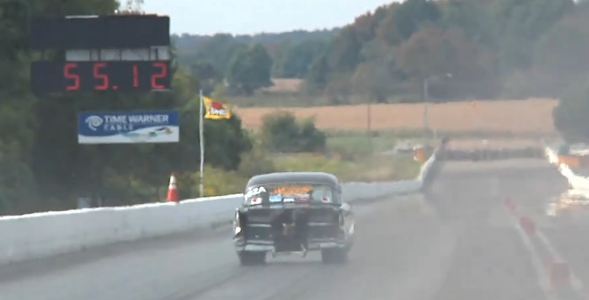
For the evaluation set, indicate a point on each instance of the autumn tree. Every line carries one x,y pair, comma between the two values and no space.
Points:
412,15
434,52
520,23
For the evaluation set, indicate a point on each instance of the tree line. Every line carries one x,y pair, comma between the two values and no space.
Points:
245,63
464,49
488,46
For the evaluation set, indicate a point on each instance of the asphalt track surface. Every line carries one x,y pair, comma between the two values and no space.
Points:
456,241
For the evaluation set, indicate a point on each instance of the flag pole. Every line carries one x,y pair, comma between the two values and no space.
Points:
202,144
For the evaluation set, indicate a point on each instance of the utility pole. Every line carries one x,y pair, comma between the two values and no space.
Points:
426,105
426,100
368,118
201,141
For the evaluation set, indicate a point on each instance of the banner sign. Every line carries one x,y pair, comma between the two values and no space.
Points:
216,110
128,127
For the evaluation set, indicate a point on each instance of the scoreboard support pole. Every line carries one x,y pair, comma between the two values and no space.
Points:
202,144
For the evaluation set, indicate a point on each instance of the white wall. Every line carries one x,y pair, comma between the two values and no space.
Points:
29,236
44,234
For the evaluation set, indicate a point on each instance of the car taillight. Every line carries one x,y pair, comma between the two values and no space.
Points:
237,224
256,201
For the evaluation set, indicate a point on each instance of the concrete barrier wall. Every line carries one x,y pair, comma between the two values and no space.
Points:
42,234
49,233
356,192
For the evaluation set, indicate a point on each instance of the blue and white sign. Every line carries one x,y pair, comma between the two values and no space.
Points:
129,127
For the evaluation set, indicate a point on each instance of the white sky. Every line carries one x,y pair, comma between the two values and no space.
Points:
256,16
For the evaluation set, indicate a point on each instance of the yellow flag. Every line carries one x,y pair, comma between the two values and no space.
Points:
216,110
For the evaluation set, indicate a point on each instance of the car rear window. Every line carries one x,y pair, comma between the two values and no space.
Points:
289,193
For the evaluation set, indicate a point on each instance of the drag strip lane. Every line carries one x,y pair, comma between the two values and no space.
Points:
394,236
491,261
455,242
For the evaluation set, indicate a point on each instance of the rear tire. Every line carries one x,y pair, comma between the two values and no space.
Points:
334,255
249,258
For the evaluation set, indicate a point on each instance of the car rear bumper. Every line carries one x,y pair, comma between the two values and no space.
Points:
268,246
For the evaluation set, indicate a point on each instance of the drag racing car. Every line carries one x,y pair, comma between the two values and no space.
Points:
285,213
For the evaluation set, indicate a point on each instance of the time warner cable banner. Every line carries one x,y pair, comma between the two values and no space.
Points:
128,127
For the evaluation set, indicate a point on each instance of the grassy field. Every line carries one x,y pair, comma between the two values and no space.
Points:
368,169
350,156
508,117
354,157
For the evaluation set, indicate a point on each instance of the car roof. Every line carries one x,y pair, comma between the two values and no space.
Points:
294,177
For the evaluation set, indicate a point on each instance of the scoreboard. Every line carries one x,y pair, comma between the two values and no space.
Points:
97,52
100,32
124,76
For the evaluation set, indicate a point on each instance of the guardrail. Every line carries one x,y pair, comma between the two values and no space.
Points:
50,233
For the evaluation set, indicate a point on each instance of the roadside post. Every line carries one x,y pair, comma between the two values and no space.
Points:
211,110
426,99
201,142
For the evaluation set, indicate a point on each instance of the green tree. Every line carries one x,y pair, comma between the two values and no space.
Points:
226,141
298,59
560,57
473,17
561,63
521,23
373,79
570,117
387,29
430,52
207,75
250,69
17,184
344,53
366,25
434,52
218,51
318,75
311,138
414,14
282,133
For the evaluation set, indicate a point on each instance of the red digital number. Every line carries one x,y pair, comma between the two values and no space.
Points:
103,77
135,76
162,74
73,78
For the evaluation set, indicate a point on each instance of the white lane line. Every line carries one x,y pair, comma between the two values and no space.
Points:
576,283
543,278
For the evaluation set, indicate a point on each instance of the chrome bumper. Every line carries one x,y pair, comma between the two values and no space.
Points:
268,246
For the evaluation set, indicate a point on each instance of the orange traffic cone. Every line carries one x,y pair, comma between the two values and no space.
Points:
173,190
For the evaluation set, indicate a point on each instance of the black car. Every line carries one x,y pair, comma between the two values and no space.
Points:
293,213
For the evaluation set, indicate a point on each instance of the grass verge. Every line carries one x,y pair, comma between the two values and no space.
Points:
350,156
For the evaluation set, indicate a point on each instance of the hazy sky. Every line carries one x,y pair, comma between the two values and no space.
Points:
255,16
